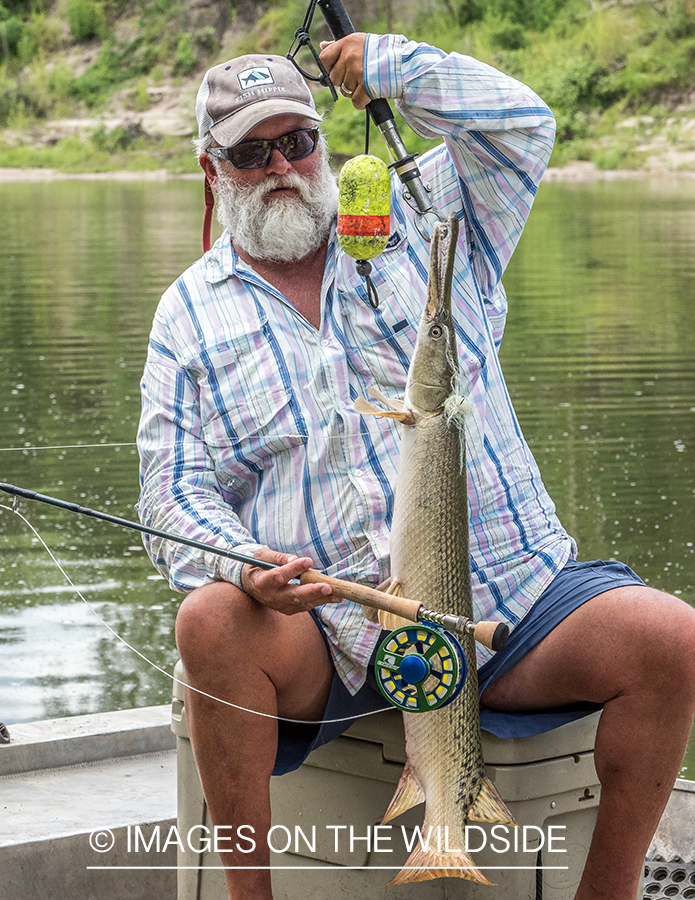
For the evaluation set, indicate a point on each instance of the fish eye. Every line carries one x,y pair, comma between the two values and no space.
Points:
436,331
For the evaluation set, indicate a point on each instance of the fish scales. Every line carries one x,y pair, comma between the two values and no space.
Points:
430,563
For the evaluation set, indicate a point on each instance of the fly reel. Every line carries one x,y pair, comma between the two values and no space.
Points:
419,668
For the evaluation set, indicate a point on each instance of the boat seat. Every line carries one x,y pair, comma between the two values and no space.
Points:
326,813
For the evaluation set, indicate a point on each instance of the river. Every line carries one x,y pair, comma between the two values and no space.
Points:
598,356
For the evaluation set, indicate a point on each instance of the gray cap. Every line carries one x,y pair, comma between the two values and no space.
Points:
239,94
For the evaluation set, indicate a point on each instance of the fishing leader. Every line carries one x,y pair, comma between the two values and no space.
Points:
248,438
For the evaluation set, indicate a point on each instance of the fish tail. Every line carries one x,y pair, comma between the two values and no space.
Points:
426,864
490,807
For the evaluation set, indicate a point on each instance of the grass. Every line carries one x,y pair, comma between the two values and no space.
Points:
104,152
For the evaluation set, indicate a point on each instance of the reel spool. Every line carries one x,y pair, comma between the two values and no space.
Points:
419,668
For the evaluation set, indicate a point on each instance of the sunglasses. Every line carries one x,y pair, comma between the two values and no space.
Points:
256,154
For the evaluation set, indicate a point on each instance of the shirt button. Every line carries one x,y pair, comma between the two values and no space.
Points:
357,472
325,343
375,534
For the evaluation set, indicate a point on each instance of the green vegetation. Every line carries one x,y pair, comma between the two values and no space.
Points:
617,73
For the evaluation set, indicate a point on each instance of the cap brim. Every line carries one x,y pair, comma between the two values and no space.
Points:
238,124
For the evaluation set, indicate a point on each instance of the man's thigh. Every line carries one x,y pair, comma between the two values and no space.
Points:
614,643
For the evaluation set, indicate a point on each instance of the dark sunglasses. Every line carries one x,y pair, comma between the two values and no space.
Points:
256,154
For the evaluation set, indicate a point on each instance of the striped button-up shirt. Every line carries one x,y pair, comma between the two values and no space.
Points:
248,434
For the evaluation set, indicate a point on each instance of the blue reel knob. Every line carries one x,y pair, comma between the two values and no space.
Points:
414,669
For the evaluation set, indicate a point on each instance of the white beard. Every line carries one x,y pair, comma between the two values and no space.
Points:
281,229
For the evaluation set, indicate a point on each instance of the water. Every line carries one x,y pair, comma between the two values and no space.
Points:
598,356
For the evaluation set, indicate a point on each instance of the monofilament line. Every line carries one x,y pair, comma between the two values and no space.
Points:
154,665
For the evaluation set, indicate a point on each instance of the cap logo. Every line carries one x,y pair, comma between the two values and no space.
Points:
255,77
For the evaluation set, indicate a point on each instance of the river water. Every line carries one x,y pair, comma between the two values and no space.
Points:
598,355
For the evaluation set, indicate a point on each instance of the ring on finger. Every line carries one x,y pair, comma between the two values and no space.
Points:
345,91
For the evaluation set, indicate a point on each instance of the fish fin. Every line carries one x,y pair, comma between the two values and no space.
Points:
371,615
490,807
431,864
408,794
376,394
365,408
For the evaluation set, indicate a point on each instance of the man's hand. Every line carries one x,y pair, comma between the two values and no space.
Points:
272,587
344,60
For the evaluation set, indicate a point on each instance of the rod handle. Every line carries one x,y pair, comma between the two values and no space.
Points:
340,25
366,596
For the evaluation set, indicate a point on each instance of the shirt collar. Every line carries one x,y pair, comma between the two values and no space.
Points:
221,259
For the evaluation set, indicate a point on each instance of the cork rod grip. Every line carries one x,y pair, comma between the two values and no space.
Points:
366,596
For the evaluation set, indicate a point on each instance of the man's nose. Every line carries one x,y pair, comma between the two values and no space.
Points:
278,165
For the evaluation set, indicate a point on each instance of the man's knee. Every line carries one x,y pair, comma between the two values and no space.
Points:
668,642
208,619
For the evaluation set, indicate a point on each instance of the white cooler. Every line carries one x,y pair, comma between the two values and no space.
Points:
548,782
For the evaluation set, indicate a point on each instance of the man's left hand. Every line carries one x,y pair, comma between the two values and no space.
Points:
344,60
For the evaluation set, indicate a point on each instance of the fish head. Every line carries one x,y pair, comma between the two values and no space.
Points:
433,368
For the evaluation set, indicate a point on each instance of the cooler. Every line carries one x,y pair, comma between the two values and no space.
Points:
327,810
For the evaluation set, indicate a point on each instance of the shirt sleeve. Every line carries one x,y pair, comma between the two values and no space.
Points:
179,491
498,133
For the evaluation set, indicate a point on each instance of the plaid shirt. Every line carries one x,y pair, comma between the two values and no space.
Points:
248,435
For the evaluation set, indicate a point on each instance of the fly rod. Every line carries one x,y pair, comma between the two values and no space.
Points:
491,634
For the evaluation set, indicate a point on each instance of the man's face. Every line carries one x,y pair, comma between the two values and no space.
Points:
282,212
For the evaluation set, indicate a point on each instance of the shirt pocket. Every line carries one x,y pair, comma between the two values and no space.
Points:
249,410
380,341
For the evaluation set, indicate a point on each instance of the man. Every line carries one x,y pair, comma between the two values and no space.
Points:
249,438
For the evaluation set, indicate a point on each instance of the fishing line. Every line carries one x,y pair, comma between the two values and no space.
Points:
269,437
159,668
67,447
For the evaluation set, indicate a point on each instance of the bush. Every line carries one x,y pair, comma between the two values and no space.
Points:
534,14
118,138
681,20
184,58
208,41
86,19
569,86
18,7
509,37
11,33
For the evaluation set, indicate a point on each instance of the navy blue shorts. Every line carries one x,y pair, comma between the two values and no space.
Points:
573,586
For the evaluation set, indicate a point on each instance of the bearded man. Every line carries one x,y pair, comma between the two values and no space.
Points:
249,439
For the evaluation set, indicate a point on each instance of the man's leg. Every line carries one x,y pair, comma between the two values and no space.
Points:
255,657
632,649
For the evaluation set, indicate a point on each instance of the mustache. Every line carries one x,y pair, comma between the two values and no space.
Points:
258,192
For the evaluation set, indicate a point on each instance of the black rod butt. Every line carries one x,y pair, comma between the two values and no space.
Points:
500,637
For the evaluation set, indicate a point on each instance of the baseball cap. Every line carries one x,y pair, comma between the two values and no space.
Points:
237,95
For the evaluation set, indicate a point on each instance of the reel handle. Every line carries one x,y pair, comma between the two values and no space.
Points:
490,634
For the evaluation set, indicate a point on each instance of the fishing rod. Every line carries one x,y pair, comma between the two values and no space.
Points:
415,192
493,635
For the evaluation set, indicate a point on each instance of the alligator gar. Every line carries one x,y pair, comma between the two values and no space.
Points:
430,562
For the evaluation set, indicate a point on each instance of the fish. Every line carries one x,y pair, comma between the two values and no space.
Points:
430,563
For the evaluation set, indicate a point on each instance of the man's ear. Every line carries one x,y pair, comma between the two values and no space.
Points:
209,169
210,174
